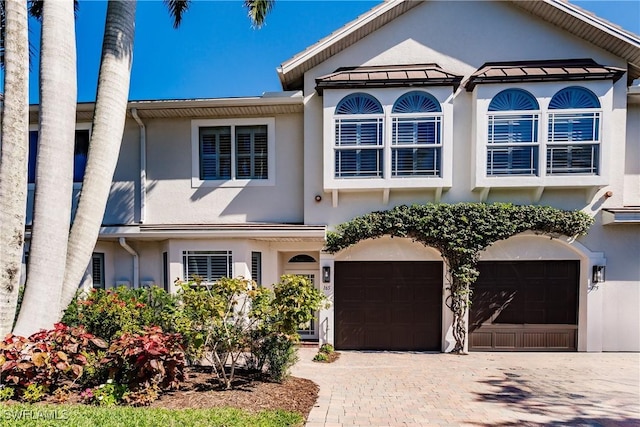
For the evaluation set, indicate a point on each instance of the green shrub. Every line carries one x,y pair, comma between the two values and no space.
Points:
6,393
321,357
34,393
112,312
281,355
108,394
327,348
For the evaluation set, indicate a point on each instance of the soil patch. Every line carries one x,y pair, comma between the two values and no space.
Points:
201,390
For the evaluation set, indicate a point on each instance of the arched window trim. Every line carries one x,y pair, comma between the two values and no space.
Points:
574,132
509,100
513,134
416,102
359,137
416,136
359,103
574,98
301,258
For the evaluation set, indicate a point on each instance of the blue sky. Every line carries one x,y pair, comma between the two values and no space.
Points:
215,53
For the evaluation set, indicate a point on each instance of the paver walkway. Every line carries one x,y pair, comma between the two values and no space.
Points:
479,389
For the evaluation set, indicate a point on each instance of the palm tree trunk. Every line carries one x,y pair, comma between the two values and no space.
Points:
54,169
13,161
104,148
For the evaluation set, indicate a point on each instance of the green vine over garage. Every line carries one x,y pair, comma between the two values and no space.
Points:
460,232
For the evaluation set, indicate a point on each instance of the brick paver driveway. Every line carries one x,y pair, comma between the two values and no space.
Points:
480,389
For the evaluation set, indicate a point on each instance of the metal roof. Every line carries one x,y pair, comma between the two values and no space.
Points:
387,76
560,13
537,71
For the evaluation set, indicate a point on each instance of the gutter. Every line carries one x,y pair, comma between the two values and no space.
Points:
136,261
143,165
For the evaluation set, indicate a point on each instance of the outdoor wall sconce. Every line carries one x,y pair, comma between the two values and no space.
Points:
326,274
598,274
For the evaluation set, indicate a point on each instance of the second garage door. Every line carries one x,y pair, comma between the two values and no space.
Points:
525,306
385,305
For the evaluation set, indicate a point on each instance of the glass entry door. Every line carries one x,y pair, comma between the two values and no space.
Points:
308,331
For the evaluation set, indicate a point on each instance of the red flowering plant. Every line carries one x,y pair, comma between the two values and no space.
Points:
112,312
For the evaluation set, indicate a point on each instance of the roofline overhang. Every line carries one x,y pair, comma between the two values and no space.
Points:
267,104
269,232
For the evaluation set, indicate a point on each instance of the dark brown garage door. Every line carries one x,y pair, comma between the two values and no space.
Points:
525,306
388,305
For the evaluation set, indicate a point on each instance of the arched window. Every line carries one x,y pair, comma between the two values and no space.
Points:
574,98
302,258
512,145
573,139
416,135
358,137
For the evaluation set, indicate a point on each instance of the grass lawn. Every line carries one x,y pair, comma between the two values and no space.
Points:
90,416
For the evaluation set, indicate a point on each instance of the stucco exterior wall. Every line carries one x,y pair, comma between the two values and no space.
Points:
496,31
171,198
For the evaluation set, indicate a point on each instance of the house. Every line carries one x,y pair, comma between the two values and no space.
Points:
533,102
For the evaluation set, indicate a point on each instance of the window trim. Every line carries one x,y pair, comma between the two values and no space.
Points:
234,182
228,254
543,93
387,97
79,126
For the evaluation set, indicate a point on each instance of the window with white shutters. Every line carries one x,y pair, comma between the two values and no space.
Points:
233,152
206,266
359,143
416,144
573,138
512,143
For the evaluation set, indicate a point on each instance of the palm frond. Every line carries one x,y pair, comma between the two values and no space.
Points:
176,9
258,11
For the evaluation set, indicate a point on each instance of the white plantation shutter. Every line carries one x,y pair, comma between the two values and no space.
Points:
574,132
416,135
207,265
358,137
512,134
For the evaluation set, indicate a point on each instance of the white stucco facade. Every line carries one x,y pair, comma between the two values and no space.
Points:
174,211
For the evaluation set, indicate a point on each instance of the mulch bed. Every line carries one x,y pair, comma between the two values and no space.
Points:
201,390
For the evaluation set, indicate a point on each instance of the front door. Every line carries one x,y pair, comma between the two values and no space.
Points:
308,331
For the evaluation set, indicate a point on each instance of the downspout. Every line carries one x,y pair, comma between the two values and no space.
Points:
136,262
143,165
